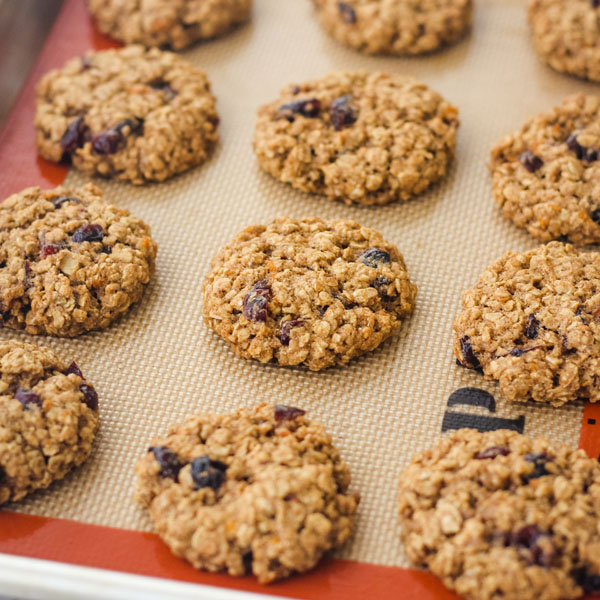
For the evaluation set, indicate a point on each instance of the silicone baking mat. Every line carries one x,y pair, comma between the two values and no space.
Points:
160,363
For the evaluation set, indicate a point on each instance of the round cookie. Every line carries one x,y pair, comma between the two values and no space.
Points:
395,26
566,34
133,114
357,137
69,262
501,516
545,177
260,491
172,23
532,322
310,292
48,418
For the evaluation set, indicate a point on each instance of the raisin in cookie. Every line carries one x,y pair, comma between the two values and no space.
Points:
133,114
546,176
48,418
259,491
566,34
395,26
172,23
69,262
357,137
309,292
532,322
500,516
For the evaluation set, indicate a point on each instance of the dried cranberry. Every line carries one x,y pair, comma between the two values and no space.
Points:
107,142
88,233
582,153
347,13
168,461
532,326
520,351
62,199
256,300
493,452
287,413
342,113
90,396
307,108
595,3
74,136
469,359
539,460
373,257
286,327
27,397
528,538
381,284
208,473
566,349
589,582
73,369
530,161
48,249
160,85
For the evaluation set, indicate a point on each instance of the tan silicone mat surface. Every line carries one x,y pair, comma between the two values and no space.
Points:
160,363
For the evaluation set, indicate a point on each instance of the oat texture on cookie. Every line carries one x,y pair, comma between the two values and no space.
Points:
133,114
357,137
532,322
261,491
310,292
69,261
171,23
546,176
48,418
395,26
499,515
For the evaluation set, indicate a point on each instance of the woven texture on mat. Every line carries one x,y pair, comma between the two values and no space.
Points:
160,363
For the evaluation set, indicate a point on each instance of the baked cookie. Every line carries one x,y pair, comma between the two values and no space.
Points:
566,34
134,114
532,322
171,23
357,137
69,262
309,292
546,176
48,418
498,515
395,26
259,491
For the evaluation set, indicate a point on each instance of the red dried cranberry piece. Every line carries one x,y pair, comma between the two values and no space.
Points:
582,153
307,108
88,233
520,351
285,329
73,369
256,300
373,257
530,161
48,249
381,284
208,473
107,142
287,413
90,396
27,281
470,361
528,538
342,113
539,460
347,13
168,461
27,397
493,452
74,136
595,3
160,85
58,202
532,327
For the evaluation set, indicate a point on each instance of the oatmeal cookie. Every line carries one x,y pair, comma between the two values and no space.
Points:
357,137
546,176
170,23
259,491
395,26
133,114
69,262
532,322
309,292
48,418
500,516
566,34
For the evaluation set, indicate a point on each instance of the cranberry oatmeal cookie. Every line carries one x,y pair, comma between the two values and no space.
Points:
48,418
309,292
260,491
500,516
545,177
133,114
170,23
532,322
566,34
69,262
395,26
357,137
